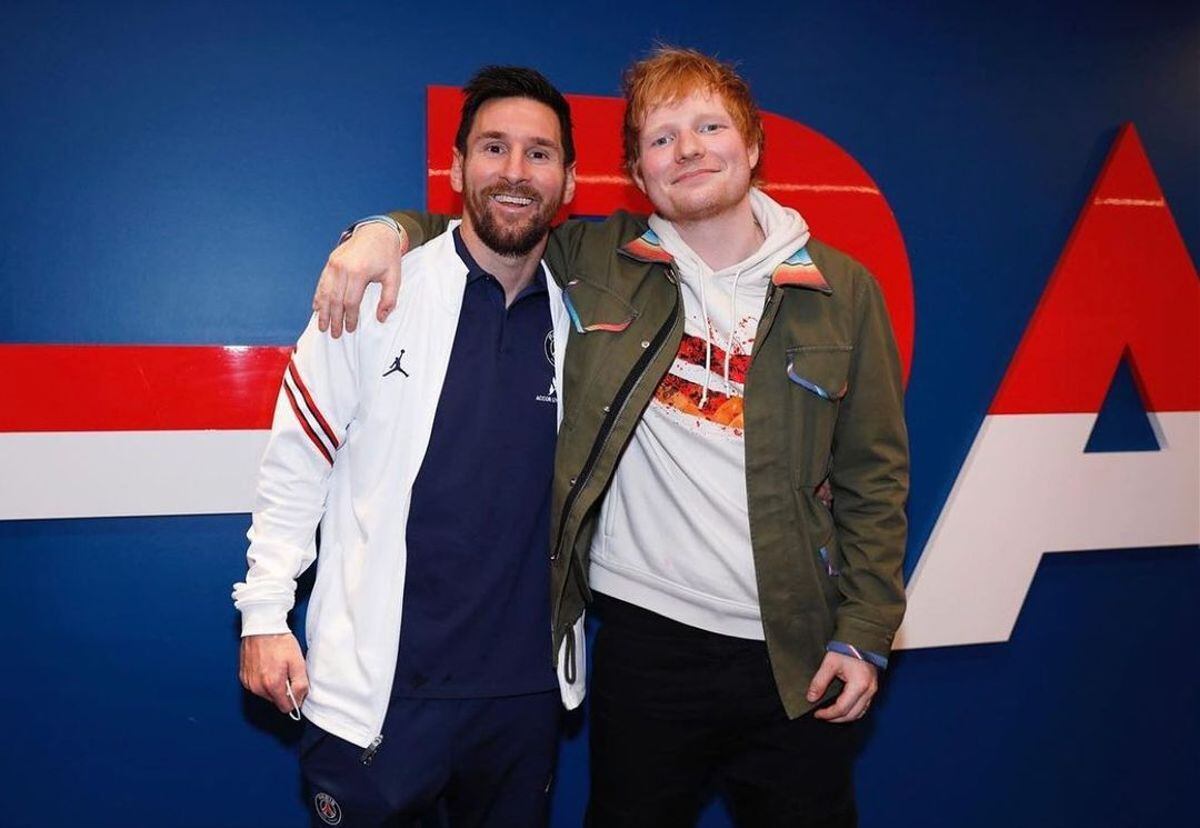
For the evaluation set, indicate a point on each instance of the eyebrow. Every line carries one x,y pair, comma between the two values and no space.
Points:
537,140
704,115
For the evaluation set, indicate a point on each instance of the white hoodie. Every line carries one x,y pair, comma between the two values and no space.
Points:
675,529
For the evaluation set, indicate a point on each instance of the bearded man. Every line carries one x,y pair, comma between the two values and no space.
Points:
423,447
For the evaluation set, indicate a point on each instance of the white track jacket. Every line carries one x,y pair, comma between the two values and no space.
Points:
352,423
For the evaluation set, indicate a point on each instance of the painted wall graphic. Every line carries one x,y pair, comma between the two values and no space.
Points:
156,410
1125,292
1125,295
185,427
174,176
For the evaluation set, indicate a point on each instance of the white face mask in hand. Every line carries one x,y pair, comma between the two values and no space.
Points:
294,713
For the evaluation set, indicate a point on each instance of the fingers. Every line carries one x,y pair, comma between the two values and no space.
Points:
335,301
275,691
391,289
861,682
820,682
825,493
267,663
355,286
849,706
856,712
298,675
372,254
327,301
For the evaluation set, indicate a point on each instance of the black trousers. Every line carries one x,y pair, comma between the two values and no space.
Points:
678,713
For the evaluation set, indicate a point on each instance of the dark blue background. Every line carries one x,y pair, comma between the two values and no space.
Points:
177,173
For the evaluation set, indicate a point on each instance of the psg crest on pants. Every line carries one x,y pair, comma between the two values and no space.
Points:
327,809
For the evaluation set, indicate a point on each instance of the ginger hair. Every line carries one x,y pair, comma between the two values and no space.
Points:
672,73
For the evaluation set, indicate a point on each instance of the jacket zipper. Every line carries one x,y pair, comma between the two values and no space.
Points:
769,314
368,755
622,398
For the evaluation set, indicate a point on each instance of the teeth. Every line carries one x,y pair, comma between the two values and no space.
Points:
509,199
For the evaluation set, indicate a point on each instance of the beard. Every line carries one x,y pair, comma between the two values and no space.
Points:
506,239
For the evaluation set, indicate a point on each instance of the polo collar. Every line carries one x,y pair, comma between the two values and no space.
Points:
475,270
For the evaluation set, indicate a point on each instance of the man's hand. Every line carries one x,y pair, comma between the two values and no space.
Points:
372,254
268,662
861,679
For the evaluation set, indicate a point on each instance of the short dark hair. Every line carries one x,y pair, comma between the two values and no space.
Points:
493,82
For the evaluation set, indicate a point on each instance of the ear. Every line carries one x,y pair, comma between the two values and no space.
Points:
635,172
569,185
456,172
755,152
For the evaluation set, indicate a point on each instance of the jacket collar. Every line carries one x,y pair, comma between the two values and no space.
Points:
798,270
647,248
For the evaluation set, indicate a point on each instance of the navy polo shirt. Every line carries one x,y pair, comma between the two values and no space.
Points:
476,618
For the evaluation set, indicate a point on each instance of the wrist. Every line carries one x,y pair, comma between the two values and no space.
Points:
386,220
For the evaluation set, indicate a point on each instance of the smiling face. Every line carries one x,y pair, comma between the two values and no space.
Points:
693,162
513,174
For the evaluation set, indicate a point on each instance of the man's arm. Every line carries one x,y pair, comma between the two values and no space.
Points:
316,401
869,481
369,251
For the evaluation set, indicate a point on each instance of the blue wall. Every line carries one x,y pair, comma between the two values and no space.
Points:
177,172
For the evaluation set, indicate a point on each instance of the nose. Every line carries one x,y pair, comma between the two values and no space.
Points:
688,146
516,167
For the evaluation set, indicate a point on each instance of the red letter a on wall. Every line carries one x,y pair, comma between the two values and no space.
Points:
1125,283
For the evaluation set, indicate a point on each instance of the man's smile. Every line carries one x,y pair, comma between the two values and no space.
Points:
510,202
693,175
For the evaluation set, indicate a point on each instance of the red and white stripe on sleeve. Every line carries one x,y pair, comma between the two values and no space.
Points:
308,414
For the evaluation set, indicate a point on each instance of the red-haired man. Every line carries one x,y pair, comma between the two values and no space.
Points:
723,366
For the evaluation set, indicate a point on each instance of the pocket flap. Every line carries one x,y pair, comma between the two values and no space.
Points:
593,307
821,369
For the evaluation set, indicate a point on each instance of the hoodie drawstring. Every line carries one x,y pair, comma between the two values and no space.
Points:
708,335
707,341
733,320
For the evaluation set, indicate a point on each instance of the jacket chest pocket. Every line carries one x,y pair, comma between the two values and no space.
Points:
600,322
817,383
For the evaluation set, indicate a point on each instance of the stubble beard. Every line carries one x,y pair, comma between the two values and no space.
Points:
512,241
690,207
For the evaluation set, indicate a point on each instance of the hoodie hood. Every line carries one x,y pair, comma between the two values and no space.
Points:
722,307
785,229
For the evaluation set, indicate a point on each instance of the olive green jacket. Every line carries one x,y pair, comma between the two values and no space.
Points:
823,400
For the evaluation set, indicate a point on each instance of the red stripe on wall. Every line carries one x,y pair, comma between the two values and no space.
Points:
139,387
